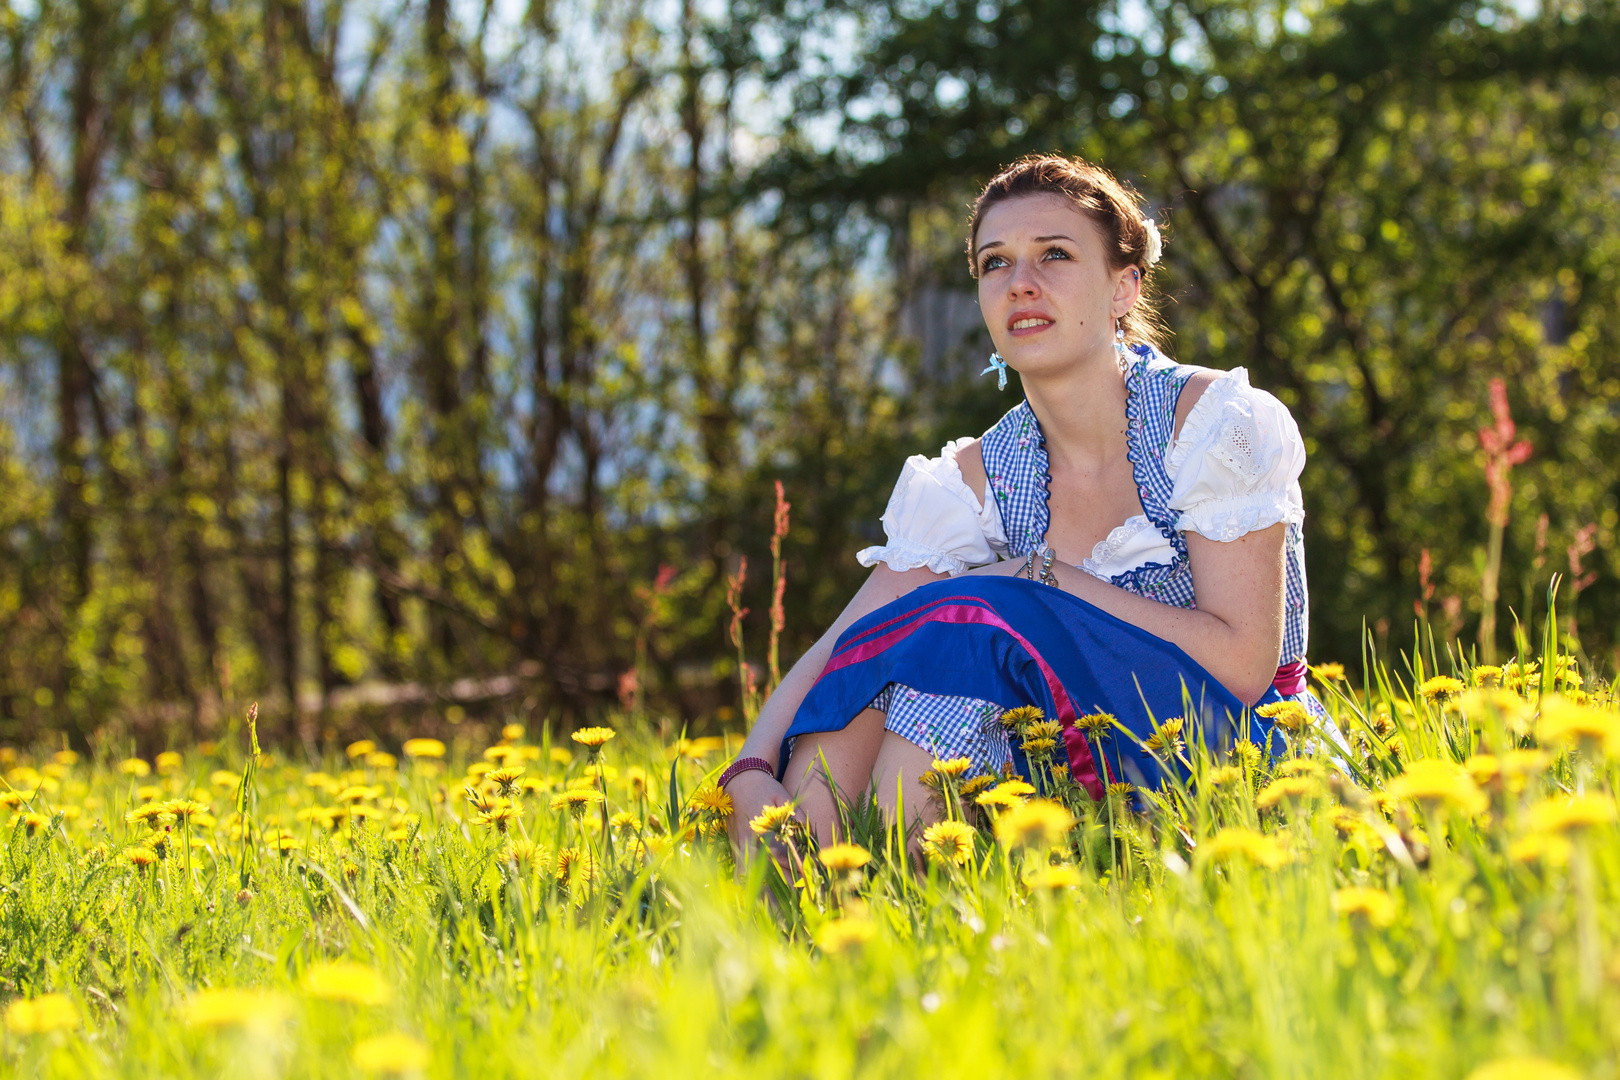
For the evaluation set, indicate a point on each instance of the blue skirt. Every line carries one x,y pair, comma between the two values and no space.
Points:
1019,642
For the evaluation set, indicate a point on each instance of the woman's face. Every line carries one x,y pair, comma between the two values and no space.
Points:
1045,287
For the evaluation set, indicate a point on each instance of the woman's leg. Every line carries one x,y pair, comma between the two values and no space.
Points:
897,783
849,754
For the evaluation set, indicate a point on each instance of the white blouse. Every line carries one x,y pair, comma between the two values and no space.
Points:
1234,469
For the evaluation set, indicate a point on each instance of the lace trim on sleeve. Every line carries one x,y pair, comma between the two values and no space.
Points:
1227,519
902,554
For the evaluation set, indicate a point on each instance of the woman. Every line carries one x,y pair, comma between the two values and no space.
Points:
1162,502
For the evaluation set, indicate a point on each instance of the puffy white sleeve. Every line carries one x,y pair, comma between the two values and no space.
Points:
1235,467
934,519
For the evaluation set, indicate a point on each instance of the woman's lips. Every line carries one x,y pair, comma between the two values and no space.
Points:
1040,324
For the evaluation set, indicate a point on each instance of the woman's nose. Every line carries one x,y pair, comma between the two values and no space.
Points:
1023,281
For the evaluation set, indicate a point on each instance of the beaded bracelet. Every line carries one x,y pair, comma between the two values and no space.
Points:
742,765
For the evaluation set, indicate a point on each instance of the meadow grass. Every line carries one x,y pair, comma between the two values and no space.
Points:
1425,889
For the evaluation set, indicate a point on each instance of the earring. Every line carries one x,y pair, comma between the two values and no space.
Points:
999,366
1119,342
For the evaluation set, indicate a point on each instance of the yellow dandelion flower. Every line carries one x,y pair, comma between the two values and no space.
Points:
1045,729
842,858
1036,823
152,814
1255,848
1548,848
184,809
1096,723
477,770
973,786
168,761
1053,878
576,866
423,748
1486,675
505,778
1438,783
1007,793
1345,820
953,768
1483,768
224,778
576,801
1329,672
33,823
65,757
624,822
1571,813
1225,776
1167,739
260,1009
1246,753
134,767
949,842
527,853
1523,1068
593,737
1374,905
359,749
501,816
1039,748
1017,718
772,819
139,856
932,780
41,1015
841,935
395,1052
512,732
1121,789
1288,715
344,980
1564,723
713,800
635,777
500,754
359,793
1301,767
379,759
1440,687
1290,789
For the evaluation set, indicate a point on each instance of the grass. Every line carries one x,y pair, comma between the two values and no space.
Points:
1431,893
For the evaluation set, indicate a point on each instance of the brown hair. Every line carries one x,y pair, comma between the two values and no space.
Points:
1097,193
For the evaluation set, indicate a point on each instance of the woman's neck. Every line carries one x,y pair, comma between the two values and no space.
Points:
1082,412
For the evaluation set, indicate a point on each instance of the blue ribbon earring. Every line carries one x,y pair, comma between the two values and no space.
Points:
999,366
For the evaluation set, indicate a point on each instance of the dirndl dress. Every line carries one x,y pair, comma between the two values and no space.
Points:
943,662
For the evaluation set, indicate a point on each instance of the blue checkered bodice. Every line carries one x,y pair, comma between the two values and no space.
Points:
1015,459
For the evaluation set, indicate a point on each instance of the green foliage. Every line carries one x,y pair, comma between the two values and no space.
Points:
347,353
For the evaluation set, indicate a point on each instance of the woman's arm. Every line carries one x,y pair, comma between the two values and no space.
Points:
753,791
1236,631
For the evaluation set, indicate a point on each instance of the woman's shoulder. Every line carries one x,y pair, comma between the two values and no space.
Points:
1218,404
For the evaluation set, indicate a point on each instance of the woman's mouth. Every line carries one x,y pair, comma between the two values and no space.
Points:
1033,324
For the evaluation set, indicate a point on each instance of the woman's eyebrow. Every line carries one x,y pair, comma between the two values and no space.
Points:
1039,240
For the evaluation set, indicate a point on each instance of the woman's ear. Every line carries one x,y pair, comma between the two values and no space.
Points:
1127,291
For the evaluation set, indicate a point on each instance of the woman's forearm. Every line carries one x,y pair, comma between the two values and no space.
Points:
1242,658
765,738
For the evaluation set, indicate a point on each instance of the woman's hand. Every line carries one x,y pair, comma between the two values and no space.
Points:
750,793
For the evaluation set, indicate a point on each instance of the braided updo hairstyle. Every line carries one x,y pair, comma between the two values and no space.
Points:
1129,236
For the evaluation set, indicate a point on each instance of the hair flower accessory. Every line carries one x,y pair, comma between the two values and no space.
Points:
1155,243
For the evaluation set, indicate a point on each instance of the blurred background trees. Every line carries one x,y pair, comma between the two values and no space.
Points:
420,356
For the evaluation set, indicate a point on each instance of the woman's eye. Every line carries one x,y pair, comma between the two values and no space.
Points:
991,263
1059,252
